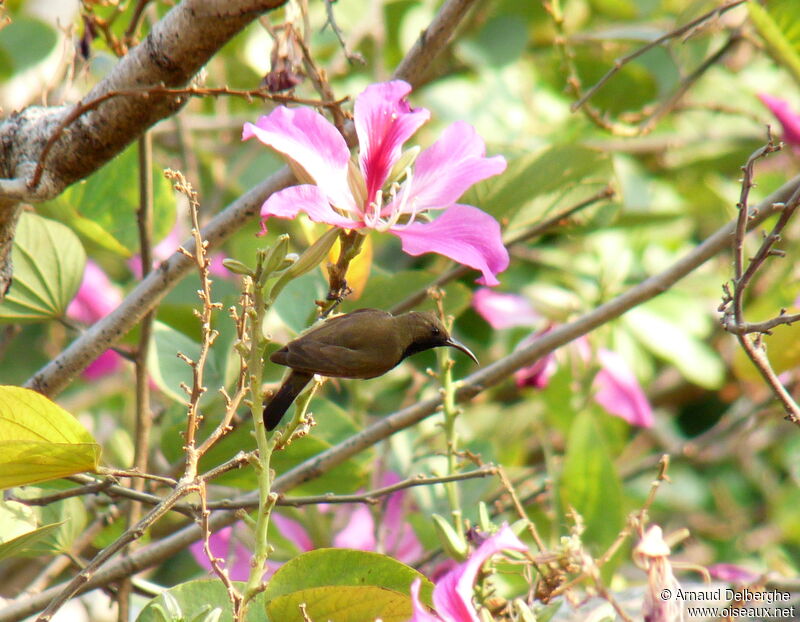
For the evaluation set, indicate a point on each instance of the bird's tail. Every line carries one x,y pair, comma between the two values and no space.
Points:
277,406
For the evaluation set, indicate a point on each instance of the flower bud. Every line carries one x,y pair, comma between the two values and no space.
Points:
237,267
452,542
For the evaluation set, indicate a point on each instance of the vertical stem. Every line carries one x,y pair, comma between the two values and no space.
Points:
266,444
144,220
451,412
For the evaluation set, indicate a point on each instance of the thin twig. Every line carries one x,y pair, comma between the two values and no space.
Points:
672,34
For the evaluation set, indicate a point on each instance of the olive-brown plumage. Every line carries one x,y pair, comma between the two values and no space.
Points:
362,344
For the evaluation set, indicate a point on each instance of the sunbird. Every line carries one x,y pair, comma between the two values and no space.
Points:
363,344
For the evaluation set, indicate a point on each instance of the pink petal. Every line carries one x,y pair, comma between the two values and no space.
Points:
289,202
107,363
504,310
785,115
537,375
463,233
396,532
306,137
446,169
420,611
220,544
293,531
733,573
97,296
452,596
384,121
359,533
618,391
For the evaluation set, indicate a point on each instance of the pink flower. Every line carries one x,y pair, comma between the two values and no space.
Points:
733,573
97,297
789,119
395,537
504,310
537,375
387,190
224,546
166,247
616,387
618,391
452,596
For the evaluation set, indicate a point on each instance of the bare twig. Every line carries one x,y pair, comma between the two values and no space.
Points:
732,306
672,34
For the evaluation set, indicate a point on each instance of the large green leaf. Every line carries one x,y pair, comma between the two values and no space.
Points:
589,481
18,529
528,177
48,269
325,568
26,41
341,604
778,23
39,440
194,600
169,372
383,291
698,362
102,209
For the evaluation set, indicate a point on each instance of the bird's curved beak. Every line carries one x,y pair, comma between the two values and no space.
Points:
460,346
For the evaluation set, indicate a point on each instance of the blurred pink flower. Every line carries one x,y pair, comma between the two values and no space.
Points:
616,387
395,537
97,297
618,391
789,119
504,310
452,596
733,573
538,374
169,245
370,194
235,556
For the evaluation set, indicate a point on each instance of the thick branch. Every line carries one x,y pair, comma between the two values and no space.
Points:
175,50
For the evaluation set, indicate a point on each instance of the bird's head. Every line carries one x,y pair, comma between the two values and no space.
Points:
426,331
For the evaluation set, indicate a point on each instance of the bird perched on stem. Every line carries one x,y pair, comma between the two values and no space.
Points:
363,344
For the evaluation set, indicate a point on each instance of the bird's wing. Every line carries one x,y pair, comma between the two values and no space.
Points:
333,360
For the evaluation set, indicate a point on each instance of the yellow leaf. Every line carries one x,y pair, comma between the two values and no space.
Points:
39,440
358,272
342,603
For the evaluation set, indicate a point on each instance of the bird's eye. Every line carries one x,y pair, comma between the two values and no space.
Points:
435,330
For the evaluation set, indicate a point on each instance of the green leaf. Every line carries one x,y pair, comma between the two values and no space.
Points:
168,371
48,268
196,599
341,604
698,362
26,41
102,209
39,440
344,567
534,175
589,481
23,544
18,530
778,23
383,291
